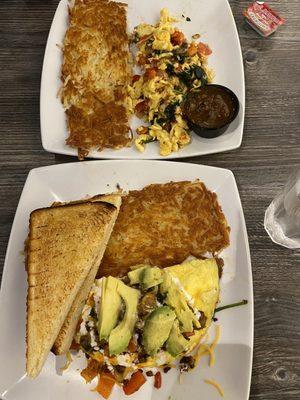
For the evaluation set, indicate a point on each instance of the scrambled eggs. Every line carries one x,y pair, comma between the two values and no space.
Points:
170,68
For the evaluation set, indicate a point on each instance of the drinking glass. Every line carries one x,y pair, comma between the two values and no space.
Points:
282,217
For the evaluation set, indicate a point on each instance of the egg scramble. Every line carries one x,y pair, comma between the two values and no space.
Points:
170,66
118,329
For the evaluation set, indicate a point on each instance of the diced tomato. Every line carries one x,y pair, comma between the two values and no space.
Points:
192,50
106,350
154,62
105,385
142,107
203,49
132,346
177,38
157,380
189,334
142,59
161,73
135,78
143,39
98,357
91,371
74,346
136,381
150,73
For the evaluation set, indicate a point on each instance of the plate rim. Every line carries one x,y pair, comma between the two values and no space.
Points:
140,156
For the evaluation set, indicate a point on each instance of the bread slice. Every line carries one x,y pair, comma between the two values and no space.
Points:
64,243
64,339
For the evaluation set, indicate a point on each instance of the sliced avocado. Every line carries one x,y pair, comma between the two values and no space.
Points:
157,329
176,343
151,276
176,299
120,336
110,307
135,276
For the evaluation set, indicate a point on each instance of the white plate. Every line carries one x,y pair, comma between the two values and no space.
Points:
74,181
213,19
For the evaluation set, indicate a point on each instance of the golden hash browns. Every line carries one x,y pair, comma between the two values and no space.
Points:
162,225
96,69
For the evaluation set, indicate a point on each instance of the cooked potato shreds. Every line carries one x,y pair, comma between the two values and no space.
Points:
171,66
95,72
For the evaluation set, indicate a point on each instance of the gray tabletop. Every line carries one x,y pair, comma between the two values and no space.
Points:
269,152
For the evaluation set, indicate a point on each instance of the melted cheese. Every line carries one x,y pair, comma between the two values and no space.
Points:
215,385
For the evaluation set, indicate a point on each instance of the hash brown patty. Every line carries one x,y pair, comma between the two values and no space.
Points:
162,225
95,72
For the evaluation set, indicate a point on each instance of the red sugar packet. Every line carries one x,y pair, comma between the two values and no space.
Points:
262,18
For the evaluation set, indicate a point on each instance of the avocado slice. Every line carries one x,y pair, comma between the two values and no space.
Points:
151,276
176,343
157,329
110,307
120,336
176,299
135,276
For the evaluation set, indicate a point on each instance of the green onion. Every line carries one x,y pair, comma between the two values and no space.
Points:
145,141
241,303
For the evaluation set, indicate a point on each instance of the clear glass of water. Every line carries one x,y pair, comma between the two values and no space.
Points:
282,217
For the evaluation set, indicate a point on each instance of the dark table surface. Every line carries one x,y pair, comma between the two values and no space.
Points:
269,152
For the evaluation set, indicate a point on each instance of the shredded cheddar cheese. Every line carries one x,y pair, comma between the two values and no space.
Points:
215,385
68,361
213,345
204,349
217,337
180,379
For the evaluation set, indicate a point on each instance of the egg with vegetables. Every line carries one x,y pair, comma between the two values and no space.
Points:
170,68
146,320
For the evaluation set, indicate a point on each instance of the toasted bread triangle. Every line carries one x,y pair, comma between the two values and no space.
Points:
64,339
64,244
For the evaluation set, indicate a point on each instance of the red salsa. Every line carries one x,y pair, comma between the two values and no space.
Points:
210,107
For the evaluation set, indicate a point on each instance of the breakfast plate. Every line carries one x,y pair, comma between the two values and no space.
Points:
67,182
213,20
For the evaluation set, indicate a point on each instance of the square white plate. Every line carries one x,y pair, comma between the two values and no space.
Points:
213,19
74,181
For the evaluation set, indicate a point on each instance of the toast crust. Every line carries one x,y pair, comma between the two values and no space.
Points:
64,339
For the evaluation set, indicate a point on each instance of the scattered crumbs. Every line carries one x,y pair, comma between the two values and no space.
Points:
188,19
196,36
68,381
77,369
118,186
107,184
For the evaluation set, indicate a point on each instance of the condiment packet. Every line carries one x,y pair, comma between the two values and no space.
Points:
262,18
